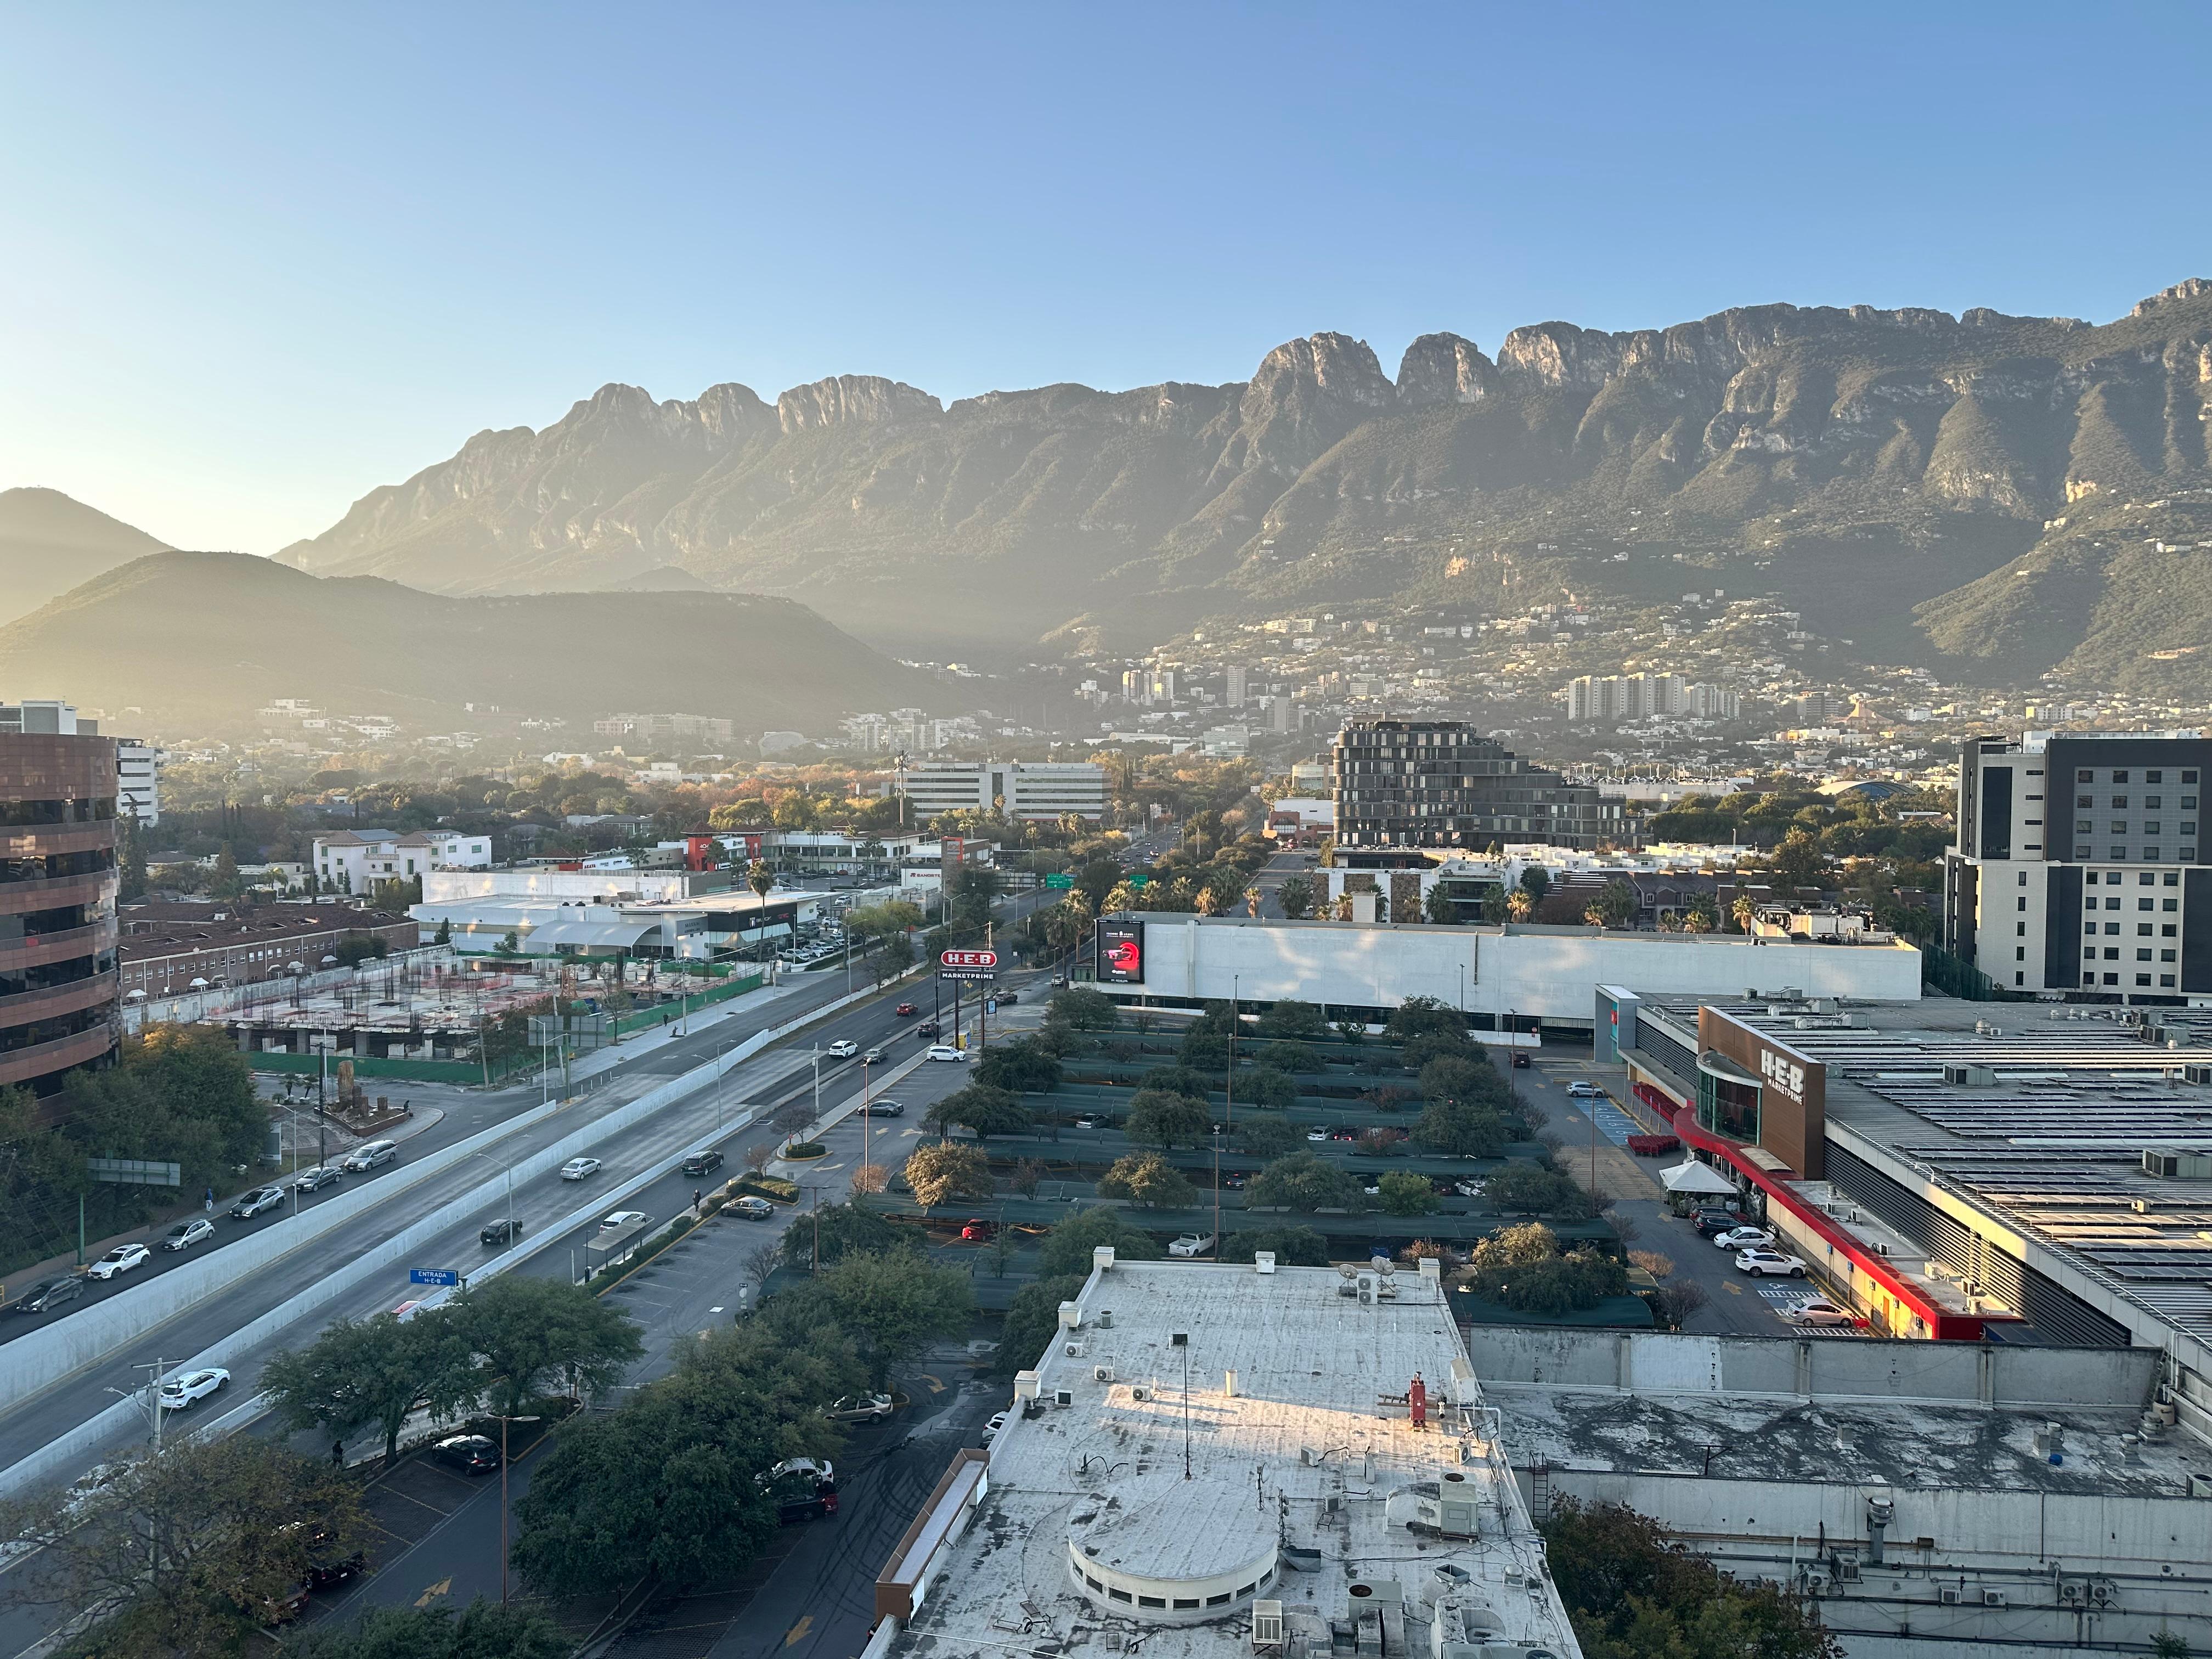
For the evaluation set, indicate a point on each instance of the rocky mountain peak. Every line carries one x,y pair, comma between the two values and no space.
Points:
1444,368
2194,288
845,399
1335,366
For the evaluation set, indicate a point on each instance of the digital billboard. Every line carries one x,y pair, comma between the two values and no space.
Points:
1121,952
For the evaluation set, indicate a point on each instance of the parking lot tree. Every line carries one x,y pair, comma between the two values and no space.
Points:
1021,1067
1033,1320
1289,1055
848,1230
1068,1247
1471,1081
983,1108
893,1305
187,1550
1295,1021
1268,1136
1294,1247
1268,1089
1458,1130
1204,1050
482,1630
948,1174
1524,1189
1404,1194
1303,1181
372,1372
1147,1178
1084,1010
532,1336
1157,1118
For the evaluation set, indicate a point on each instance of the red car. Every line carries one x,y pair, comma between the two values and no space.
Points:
977,1231
905,1008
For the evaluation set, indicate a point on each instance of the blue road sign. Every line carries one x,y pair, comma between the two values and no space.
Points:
433,1276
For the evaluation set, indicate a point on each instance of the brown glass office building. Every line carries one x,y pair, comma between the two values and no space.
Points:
58,880
1440,783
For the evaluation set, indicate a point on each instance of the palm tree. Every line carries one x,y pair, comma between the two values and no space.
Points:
1252,896
1520,904
1743,910
760,877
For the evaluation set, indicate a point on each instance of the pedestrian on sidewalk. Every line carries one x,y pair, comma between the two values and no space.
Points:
208,1203
338,1454
696,1195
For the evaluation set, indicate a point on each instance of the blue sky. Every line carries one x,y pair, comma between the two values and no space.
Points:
256,260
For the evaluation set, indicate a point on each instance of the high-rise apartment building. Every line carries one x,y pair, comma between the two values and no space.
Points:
138,781
1233,689
1439,783
1027,789
2078,864
57,880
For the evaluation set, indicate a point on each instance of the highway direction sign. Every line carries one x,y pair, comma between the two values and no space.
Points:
433,1276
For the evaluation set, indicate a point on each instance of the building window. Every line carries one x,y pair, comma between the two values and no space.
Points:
2112,927
2112,979
2023,882
2019,979
2166,955
2151,852
1220,1600
2020,953
2189,777
2085,775
2112,954
2188,855
1180,1603
2019,930
2022,903
1124,1596
2166,980
2112,904
2142,955
2120,777
1152,1601
2143,979
2118,852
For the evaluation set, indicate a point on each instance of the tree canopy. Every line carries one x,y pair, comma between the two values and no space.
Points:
983,1109
946,1174
1147,1178
1305,1181
1157,1118
1068,1247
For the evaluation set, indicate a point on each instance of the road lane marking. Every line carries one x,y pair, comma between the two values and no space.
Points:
1733,1289
798,1631
936,1384
443,1587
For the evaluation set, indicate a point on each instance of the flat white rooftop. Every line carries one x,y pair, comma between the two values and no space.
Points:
1168,1493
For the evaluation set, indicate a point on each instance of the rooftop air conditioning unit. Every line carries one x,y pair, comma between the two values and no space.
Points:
1266,1624
1993,1598
2196,1073
1140,1392
1947,1594
1969,1076
1063,1396
1075,1350
1102,1373
2072,1592
2176,1164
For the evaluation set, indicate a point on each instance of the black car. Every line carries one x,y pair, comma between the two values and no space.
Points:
1005,999
805,1506
503,1231
1712,1223
927,1030
1519,1062
701,1163
471,1454
45,1298
887,1108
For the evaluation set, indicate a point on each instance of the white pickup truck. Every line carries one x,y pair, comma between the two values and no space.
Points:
1191,1244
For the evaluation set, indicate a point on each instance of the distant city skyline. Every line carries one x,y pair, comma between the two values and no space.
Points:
263,261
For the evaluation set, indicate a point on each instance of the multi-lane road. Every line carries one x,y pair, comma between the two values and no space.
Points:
759,1082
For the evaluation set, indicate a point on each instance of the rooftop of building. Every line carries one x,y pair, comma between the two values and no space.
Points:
2040,1113
161,928
1229,1424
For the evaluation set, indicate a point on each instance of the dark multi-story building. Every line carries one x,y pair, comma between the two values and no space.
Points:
1439,783
173,949
2078,867
58,980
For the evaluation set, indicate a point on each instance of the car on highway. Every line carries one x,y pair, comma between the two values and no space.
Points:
188,1388
618,1219
704,1163
1089,1121
314,1179
752,1209
185,1234
1005,999
1319,1132
577,1168
1190,1244
51,1294
505,1231
120,1260
369,1156
471,1454
1819,1311
1744,1238
1237,1181
906,1010
1579,1089
928,1029
260,1198
1519,1062
1344,1132
858,1408
944,1051
872,1057
843,1048
1761,1263
887,1109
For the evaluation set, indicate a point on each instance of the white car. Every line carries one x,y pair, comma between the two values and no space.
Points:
190,1387
577,1168
1759,1263
858,1408
622,1218
944,1051
368,1157
1819,1311
844,1049
991,1429
1581,1091
1191,1244
185,1234
120,1260
1745,1238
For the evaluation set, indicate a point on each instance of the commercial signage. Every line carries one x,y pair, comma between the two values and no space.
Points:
1061,882
967,964
1137,878
1121,952
446,1276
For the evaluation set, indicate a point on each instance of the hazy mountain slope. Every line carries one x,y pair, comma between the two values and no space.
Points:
220,634
49,542
1907,443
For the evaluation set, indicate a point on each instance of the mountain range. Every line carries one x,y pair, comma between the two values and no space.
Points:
215,636
1863,461
49,542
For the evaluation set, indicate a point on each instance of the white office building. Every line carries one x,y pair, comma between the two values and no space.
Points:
1027,789
138,781
351,862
